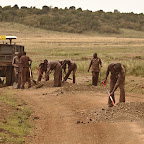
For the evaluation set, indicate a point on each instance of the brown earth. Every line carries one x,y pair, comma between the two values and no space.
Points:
78,114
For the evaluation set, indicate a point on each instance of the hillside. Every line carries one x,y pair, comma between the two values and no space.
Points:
73,20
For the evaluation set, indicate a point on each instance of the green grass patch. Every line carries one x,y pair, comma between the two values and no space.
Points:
16,125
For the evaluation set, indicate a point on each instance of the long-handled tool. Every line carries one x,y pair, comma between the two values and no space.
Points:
32,76
41,73
63,73
43,78
15,84
100,75
108,93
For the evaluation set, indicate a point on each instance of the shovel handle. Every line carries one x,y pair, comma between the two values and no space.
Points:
108,92
41,73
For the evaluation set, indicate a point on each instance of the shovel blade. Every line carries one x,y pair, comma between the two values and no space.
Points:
15,85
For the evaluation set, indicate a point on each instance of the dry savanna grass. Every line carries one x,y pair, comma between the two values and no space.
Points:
127,48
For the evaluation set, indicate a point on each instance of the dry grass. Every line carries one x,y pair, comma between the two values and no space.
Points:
42,44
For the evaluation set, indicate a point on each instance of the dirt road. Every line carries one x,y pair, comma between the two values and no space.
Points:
65,116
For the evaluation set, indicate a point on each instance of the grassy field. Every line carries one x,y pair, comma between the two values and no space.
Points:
127,47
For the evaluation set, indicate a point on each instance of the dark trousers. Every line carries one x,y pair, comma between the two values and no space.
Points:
122,91
57,76
69,72
25,76
95,76
17,76
40,76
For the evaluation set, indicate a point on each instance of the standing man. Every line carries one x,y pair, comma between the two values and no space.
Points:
56,66
42,68
95,63
71,67
117,79
25,76
17,68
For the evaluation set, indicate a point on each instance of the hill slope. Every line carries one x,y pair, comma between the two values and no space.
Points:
72,20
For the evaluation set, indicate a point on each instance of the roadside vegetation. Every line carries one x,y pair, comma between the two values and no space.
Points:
73,20
15,122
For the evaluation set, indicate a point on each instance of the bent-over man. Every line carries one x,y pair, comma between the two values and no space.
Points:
25,76
63,65
95,63
117,79
42,68
16,62
72,67
56,66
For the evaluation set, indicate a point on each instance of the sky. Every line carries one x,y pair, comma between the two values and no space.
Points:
135,6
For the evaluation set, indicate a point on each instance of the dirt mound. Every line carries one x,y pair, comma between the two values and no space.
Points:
66,86
133,111
81,87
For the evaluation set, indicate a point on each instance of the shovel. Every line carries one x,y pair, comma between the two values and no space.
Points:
108,93
32,76
41,85
43,78
15,84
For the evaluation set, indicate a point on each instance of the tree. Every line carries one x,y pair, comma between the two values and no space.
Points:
45,8
23,7
7,7
15,7
72,8
79,9
116,11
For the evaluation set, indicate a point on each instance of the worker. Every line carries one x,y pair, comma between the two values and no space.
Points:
42,68
72,67
25,75
95,63
117,79
56,66
16,62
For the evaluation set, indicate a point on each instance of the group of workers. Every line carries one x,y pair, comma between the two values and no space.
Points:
59,68
21,64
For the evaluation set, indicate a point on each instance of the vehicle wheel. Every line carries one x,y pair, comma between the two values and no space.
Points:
9,76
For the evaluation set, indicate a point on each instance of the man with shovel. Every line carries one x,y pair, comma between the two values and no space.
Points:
117,79
17,69
56,66
72,67
25,75
95,63
42,68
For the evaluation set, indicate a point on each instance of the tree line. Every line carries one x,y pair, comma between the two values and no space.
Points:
71,19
